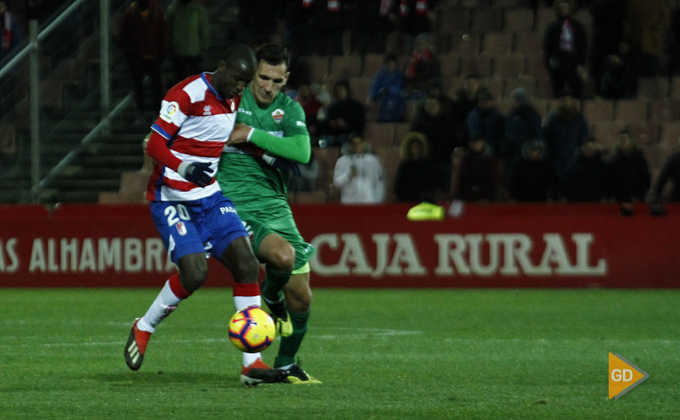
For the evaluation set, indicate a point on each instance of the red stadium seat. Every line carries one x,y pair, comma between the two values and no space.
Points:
631,110
379,134
450,65
485,20
663,110
544,16
510,66
670,133
318,68
464,44
497,43
360,87
606,133
596,111
389,157
528,43
480,65
652,88
453,20
400,130
517,20
645,132
345,66
535,66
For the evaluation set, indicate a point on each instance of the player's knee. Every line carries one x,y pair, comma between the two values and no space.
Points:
193,278
247,269
284,259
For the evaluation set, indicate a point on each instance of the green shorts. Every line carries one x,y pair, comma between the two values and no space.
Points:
285,227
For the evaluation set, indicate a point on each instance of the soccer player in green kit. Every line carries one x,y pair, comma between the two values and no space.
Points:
270,136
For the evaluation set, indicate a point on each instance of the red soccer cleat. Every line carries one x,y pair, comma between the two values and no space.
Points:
136,346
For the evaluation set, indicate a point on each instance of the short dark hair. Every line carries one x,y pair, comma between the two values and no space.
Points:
389,57
273,54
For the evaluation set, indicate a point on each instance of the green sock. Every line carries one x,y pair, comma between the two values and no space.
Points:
290,345
273,284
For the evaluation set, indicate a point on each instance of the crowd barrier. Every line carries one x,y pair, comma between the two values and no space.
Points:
493,245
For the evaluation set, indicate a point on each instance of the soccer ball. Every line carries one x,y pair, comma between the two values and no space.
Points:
251,330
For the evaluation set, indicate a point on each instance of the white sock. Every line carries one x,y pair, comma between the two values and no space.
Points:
242,302
165,303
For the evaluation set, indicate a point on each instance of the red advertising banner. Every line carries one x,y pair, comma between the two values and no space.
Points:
501,245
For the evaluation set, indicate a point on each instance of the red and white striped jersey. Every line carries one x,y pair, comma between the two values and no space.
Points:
195,123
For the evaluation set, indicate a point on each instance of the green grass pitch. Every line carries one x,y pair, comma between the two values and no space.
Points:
381,354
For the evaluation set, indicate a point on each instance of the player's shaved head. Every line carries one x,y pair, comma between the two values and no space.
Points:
235,71
239,56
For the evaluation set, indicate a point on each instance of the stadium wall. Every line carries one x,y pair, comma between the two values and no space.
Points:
503,245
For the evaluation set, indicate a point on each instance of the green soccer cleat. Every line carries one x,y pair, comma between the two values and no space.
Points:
284,327
298,376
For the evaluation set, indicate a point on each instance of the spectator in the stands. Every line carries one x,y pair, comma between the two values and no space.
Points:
646,24
477,174
311,106
465,99
345,115
414,17
329,24
11,38
607,31
586,176
144,42
189,32
670,171
628,177
532,177
358,174
565,49
563,132
387,88
299,71
416,177
442,136
435,88
619,74
423,66
486,121
522,123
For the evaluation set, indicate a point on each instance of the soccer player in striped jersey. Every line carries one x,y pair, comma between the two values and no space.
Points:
269,138
192,216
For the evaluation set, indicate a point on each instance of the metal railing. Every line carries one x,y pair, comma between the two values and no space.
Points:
59,41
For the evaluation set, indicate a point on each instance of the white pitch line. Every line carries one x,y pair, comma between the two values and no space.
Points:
377,332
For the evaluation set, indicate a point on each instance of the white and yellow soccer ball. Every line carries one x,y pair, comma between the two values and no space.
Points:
251,330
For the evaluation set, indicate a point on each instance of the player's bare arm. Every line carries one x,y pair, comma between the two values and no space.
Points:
239,134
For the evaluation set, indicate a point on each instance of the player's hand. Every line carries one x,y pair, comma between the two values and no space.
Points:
197,173
283,164
239,134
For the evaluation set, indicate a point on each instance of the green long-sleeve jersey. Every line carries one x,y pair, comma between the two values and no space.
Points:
280,129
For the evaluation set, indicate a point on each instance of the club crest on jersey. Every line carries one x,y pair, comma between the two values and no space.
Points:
278,115
168,113
233,106
206,110
181,229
